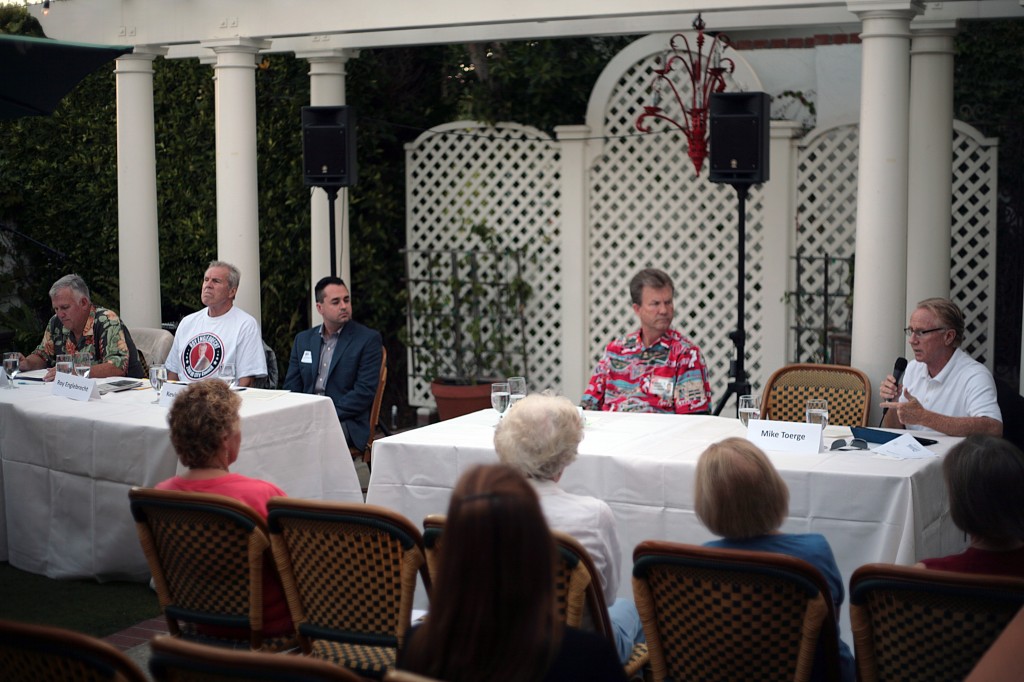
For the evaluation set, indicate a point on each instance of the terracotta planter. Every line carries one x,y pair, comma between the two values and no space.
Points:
454,400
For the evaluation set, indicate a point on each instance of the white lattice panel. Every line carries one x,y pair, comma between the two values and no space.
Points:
827,221
826,227
973,270
507,177
648,209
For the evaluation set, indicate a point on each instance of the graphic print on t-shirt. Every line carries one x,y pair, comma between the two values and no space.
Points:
202,356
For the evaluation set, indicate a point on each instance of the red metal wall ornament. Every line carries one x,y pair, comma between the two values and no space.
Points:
707,76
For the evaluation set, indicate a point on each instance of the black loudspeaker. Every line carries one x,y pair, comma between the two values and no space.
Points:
739,137
329,146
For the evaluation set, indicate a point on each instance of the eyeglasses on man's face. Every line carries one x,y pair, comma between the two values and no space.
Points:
921,333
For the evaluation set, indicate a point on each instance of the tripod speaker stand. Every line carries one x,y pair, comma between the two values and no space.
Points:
739,157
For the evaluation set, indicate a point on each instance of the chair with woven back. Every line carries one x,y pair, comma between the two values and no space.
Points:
726,614
578,594
207,554
921,624
41,653
365,453
847,389
176,660
349,574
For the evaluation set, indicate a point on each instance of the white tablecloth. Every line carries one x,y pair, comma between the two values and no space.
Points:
67,467
871,509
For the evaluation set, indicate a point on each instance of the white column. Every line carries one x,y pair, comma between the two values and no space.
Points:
138,244
880,281
931,161
238,240
327,89
575,252
778,246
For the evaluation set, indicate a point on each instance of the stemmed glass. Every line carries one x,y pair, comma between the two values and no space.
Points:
83,363
817,412
749,408
500,398
516,389
227,374
12,365
157,377
66,363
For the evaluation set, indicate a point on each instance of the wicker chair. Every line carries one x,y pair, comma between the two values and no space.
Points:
732,615
920,624
39,653
374,410
349,573
207,554
175,660
847,389
579,597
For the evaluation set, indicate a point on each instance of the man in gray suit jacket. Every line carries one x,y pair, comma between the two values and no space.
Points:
339,359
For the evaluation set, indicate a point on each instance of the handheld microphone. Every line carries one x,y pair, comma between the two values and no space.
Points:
897,373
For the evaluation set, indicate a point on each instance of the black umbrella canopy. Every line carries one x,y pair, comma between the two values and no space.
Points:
36,73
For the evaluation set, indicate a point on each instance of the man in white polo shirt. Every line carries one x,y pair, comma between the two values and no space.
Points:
219,333
944,389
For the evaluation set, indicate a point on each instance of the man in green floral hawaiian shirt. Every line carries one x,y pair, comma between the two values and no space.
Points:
78,325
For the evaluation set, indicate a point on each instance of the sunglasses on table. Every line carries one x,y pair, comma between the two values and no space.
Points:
852,444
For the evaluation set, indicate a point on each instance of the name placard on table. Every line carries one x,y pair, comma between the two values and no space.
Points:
796,437
169,391
74,387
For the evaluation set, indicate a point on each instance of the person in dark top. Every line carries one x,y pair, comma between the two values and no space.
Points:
984,478
493,615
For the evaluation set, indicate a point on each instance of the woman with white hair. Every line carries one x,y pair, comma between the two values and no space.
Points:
539,437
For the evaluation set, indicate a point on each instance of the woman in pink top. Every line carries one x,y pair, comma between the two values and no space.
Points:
206,434
985,479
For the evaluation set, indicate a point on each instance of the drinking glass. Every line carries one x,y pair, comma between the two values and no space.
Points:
157,377
66,364
749,408
500,398
817,412
227,374
83,363
516,389
12,365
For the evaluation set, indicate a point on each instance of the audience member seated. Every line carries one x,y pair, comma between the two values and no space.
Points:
497,619
206,434
539,437
985,481
740,496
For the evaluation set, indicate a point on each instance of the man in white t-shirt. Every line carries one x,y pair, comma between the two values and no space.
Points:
218,334
944,389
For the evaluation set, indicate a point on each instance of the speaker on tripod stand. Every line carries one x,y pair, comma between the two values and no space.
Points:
739,157
329,156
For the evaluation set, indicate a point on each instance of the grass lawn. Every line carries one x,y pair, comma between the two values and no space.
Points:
97,609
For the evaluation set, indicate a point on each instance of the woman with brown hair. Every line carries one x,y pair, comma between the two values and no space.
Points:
206,432
494,615
985,478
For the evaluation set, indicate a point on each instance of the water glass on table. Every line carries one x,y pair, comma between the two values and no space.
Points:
227,374
516,389
83,363
500,397
66,363
749,408
157,377
817,412
12,365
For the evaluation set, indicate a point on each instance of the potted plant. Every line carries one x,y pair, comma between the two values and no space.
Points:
466,325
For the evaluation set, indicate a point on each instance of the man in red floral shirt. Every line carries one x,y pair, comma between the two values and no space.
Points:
654,369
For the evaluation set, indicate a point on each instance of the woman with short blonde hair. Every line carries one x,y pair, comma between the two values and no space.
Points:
739,494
